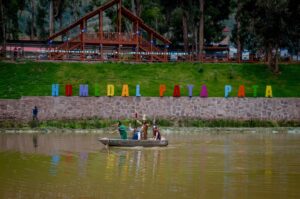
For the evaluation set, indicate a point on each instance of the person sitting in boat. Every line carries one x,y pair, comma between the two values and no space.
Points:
136,134
156,133
122,131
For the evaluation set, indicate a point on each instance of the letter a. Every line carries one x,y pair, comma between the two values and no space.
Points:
204,92
269,91
176,92
241,92
162,90
110,90
125,90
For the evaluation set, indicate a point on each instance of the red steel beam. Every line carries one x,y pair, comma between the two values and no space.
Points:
124,11
133,17
86,17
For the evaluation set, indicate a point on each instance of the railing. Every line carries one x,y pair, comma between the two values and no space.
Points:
153,51
109,37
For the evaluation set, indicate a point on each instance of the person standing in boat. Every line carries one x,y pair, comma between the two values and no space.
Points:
144,128
156,133
122,131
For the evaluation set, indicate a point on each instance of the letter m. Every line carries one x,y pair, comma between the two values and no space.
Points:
84,90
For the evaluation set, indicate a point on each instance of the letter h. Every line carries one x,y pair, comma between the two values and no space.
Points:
55,90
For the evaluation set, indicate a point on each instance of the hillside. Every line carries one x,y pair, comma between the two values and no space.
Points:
35,78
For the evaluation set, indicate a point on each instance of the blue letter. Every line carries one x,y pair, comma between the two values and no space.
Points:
84,90
137,91
228,89
190,87
55,89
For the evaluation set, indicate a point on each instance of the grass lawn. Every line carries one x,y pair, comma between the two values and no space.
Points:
36,78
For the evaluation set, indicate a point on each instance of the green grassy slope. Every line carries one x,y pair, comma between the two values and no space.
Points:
35,79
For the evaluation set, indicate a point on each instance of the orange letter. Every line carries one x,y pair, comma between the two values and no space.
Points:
162,90
241,92
125,90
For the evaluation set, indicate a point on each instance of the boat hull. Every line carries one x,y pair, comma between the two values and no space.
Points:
133,143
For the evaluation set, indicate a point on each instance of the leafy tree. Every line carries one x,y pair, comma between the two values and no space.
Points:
271,24
41,21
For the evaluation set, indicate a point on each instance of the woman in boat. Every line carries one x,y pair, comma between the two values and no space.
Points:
144,130
122,131
136,134
156,133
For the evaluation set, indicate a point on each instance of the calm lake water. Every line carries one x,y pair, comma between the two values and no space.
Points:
199,165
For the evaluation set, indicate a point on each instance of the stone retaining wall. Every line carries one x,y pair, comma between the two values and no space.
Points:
166,107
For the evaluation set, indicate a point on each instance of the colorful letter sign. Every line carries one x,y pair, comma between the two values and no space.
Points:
55,90
110,90
83,90
162,90
269,91
241,92
137,91
125,90
228,89
68,90
204,92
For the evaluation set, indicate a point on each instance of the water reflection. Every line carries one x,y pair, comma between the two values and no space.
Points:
227,154
192,166
55,159
82,161
35,140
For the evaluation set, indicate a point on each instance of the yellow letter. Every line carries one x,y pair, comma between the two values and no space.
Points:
110,90
269,91
125,90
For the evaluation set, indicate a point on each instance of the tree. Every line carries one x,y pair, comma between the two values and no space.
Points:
201,29
32,22
2,26
42,33
273,24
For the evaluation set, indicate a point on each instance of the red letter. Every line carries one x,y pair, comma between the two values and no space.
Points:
176,92
68,90
241,92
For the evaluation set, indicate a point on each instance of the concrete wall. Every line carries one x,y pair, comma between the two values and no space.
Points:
166,107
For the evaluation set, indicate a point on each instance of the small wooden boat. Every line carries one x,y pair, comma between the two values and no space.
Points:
133,143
